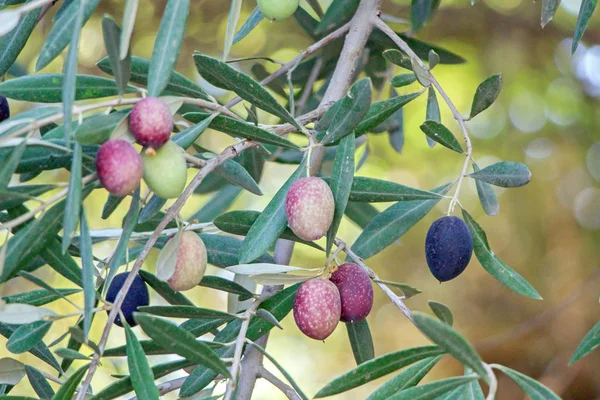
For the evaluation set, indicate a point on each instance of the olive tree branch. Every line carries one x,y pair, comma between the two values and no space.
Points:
457,115
286,389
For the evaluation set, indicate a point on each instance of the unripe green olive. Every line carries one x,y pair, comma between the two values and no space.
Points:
165,170
278,10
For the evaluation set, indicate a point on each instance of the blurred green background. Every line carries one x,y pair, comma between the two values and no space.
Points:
547,116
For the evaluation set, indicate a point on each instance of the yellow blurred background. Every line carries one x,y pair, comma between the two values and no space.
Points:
547,116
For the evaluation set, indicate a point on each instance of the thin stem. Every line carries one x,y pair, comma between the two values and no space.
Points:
286,389
493,381
457,115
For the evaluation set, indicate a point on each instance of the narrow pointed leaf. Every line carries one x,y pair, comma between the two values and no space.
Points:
585,13
187,137
225,77
120,65
64,264
62,31
142,378
390,225
73,204
408,378
534,389
341,184
70,69
471,391
129,14
549,8
39,383
270,224
70,354
217,204
87,263
493,265
504,174
382,110
153,207
27,336
225,285
68,388
164,290
111,204
421,11
487,92
432,112
10,164
376,368
449,340
14,196
240,223
180,341
408,290
440,134
442,312
252,22
232,21
223,251
430,391
338,13
187,312
40,350
350,112
39,297
14,41
590,342
361,341
167,45
371,190
360,213
47,88
487,196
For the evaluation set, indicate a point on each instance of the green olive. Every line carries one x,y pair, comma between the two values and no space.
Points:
165,170
278,10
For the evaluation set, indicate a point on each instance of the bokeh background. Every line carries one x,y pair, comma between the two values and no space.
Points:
547,116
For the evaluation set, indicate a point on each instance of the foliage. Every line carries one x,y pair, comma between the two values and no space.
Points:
326,115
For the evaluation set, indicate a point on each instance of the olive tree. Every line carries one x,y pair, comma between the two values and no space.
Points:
143,125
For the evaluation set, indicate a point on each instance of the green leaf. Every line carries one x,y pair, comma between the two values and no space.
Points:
128,226
442,312
40,282
487,92
504,174
341,184
39,297
14,196
421,11
240,223
350,111
338,13
181,342
225,77
252,22
408,378
153,207
124,385
241,129
403,80
187,137
361,341
433,114
493,265
39,383
111,204
408,290
390,225
96,129
270,224
487,196
534,389
73,204
217,204
549,8
471,391
585,13
187,312
70,354
40,350
87,264
64,264
223,251
225,285
68,388
360,213
10,164
120,65
176,83
232,22
167,45
47,88
382,110
234,173
449,340
27,336
430,391
139,369
14,41
370,190
587,345
376,368
62,31
129,14
442,135
164,290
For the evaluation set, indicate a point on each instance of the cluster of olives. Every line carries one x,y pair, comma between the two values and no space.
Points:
189,270
162,164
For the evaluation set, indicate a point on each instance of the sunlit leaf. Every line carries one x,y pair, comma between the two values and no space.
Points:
142,378
487,196
430,391
487,92
409,377
442,312
442,135
587,344
361,341
534,389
